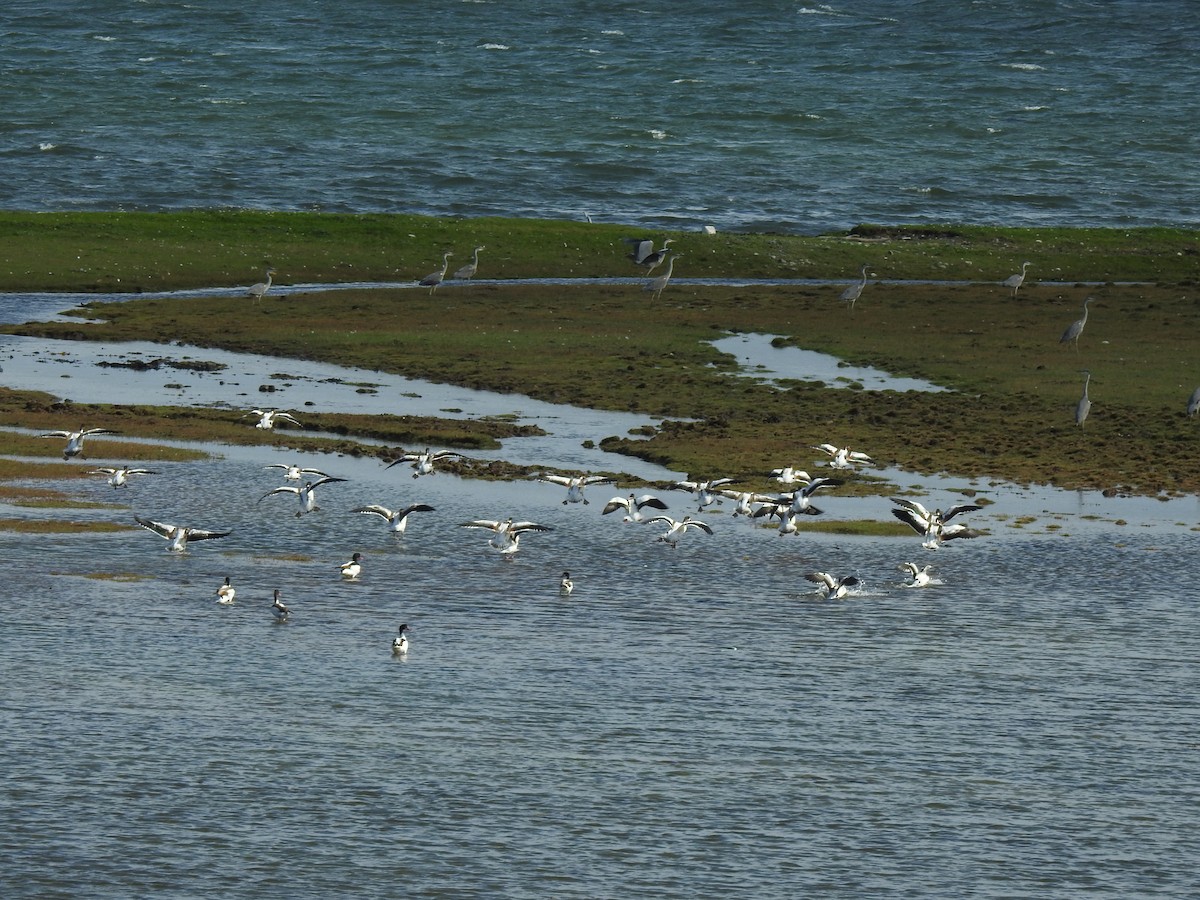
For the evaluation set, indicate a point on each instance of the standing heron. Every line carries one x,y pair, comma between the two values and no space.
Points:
433,279
852,293
467,272
658,284
1076,328
1015,281
1084,406
1194,403
258,291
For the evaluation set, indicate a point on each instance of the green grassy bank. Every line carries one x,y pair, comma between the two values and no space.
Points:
1013,387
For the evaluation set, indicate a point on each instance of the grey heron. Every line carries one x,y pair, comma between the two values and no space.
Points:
1084,406
433,279
851,294
658,284
258,291
467,272
1015,281
1076,328
644,253
1194,403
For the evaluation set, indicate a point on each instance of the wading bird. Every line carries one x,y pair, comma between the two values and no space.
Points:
1084,406
851,294
507,537
423,463
832,588
1015,281
574,485
279,608
843,457
467,272
677,529
433,279
258,291
267,418
1194,403
120,477
178,536
307,495
1075,329
75,439
397,519
658,284
932,525
226,592
352,567
400,641
633,506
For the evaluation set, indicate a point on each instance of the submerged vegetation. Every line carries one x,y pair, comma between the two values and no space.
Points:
1009,412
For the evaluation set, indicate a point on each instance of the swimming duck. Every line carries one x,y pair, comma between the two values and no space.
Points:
574,484
565,584
267,418
226,592
120,477
75,439
352,567
400,641
279,608
423,463
834,588
678,528
306,495
633,506
507,537
295,472
705,491
397,519
178,536
843,457
918,575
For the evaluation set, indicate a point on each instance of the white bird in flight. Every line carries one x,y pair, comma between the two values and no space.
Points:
307,495
678,528
574,484
706,491
267,418
633,506
843,457
507,536
932,525
397,519
295,472
75,439
178,536
425,461
119,477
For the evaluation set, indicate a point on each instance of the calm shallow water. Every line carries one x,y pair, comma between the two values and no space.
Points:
690,722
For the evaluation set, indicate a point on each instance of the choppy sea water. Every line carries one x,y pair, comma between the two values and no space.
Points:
751,116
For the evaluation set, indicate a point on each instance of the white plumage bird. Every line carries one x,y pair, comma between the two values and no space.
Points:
75,439
267,418
676,529
178,536
932,525
843,457
307,495
706,491
574,484
633,506
1015,281
119,477
424,462
507,533
397,519
830,586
